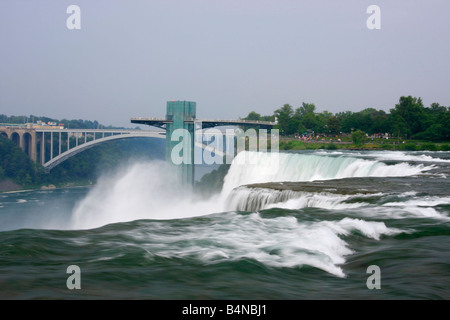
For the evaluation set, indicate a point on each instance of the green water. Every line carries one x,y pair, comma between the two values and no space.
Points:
316,245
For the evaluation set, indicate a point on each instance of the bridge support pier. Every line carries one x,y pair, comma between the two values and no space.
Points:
43,148
23,137
33,147
180,123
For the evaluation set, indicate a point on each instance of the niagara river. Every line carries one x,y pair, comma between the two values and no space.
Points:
308,227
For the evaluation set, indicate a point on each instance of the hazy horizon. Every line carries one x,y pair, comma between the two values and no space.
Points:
230,57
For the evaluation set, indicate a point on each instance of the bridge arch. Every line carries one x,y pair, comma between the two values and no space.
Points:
15,137
4,134
49,165
27,139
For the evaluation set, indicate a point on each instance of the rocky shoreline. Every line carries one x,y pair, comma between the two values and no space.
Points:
8,185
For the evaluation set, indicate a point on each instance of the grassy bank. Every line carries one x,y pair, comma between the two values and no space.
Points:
334,144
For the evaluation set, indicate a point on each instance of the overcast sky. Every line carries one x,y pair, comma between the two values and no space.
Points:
230,56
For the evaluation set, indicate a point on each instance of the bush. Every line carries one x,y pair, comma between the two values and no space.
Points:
428,146
387,146
331,146
358,137
408,146
287,145
434,133
445,147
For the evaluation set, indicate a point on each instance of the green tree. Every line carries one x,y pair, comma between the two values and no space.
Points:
435,132
268,118
358,137
293,124
351,121
253,116
334,125
437,125
15,164
321,122
284,115
309,121
305,109
306,117
380,123
412,111
399,126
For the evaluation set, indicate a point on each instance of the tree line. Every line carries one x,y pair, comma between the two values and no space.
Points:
16,165
409,119
70,124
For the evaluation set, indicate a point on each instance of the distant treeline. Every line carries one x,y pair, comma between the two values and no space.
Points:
71,124
409,119
16,165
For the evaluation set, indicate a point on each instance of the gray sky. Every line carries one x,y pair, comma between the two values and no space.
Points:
230,56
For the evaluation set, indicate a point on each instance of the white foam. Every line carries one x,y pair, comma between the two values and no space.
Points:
370,229
255,199
276,242
423,207
308,167
402,156
141,191
149,191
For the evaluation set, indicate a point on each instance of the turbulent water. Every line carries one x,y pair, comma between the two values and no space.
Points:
303,225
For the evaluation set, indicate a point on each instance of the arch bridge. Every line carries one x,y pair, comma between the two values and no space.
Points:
53,146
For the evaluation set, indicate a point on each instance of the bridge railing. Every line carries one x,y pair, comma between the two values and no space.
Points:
148,118
207,120
237,121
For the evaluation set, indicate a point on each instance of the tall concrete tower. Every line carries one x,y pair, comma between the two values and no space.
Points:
182,114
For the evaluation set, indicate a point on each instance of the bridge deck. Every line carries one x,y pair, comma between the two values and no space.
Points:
206,123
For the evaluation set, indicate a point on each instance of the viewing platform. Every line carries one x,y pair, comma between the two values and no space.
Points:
206,123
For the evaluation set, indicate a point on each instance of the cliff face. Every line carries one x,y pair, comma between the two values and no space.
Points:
9,185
